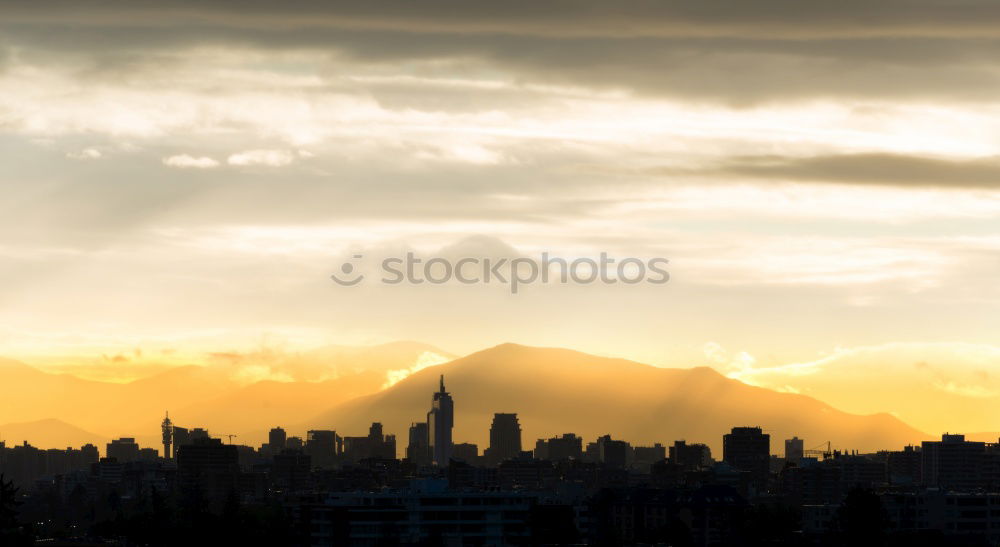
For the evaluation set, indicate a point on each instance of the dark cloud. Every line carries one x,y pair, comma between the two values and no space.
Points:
734,51
563,18
876,169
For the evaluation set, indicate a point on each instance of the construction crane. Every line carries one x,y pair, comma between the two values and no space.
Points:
818,452
229,436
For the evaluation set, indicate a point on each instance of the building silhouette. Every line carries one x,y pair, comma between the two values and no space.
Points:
321,446
690,457
208,469
375,445
181,435
645,456
611,453
465,452
418,449
290,470
566,447
440,421
748,449
505,438
953,462
794,449
904,465
123,450
276,439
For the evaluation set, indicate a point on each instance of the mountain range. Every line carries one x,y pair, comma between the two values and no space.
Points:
552,390
555,391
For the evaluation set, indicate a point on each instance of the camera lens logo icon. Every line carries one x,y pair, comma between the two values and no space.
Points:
347,269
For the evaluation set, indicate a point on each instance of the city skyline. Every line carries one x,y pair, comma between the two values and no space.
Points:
638,399
463,272
328,488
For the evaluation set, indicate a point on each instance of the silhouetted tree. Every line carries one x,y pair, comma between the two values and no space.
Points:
12,532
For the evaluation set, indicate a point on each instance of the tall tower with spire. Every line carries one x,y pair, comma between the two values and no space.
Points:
168,434
440,421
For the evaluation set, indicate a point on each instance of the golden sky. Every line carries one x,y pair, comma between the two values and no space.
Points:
183,177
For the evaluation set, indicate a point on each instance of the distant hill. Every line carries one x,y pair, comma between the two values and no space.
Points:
557,390
235,393
49,433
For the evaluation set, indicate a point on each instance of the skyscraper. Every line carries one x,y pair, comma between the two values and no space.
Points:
505,438
440,421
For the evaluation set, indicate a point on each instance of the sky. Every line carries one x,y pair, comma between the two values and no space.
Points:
184,177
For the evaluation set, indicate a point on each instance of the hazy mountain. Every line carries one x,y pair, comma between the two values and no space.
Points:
243,394
49,433
937,387
556,391
252,410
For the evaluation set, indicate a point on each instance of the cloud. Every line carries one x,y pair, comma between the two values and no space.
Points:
269,158
966,390
934,386
872,168
560,17
185,161
736,365
733,51
426,359
85,154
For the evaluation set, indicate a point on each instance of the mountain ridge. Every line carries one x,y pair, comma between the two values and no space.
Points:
635,401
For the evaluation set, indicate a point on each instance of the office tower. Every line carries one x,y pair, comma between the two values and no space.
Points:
209,467
167,428
748,449
123,450
321,446
566,447
612,453
88,454
294,443
276,440
505,438
181,437
465,452
953,463
418,449
794,449
381,445
290,470
644,456
904,465
440,421
375,445
690,457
